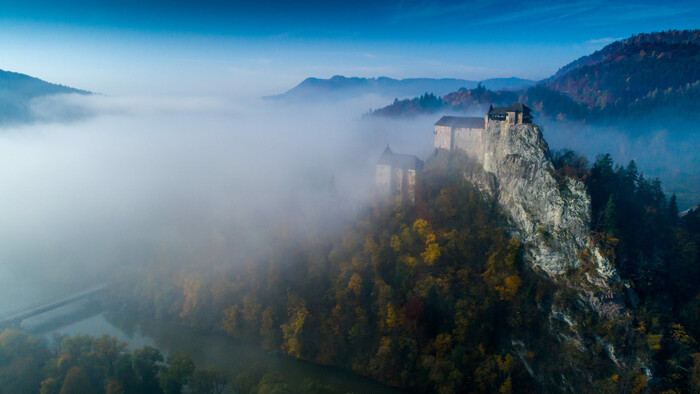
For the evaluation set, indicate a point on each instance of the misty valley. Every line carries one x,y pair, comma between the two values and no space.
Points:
182,224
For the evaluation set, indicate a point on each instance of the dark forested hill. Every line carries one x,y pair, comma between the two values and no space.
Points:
17,90
436,298
636,74
463,100
644,75
340,87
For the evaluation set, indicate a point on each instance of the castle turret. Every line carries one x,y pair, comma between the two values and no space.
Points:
516,113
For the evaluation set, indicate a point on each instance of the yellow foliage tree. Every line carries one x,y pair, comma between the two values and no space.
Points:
251,311
195,295
292,331
392,317
230,320
431,254
442,344
509,288
355,283
395,243
420,226
506,387
679,334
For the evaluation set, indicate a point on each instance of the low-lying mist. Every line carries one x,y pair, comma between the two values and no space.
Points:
105,183
668,153
195,180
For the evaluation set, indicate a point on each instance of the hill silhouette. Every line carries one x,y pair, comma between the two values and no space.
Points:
340,87
646,75
18,90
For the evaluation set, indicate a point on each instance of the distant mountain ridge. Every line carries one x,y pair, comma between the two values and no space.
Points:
635,74
340,87
17,90
642,76
613,51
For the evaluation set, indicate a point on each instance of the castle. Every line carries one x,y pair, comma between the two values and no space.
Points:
396,173
464,133
516,113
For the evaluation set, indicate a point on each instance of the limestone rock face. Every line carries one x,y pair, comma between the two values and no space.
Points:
552,219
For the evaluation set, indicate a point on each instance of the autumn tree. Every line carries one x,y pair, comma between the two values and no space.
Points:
208,381
76,382
176,374
144,362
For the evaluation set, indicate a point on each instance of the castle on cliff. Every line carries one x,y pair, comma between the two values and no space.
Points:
465,133
397,174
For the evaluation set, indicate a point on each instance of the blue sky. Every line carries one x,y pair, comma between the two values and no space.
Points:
214,47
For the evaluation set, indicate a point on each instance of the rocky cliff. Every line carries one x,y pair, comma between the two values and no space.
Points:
551,218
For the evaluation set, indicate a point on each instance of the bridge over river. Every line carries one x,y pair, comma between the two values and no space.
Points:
15,318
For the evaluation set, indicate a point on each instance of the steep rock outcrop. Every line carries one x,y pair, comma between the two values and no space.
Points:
551,216
551,219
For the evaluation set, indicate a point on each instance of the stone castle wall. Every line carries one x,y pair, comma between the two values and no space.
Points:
398,183
384,182
443,137
411,186
467,140
470,141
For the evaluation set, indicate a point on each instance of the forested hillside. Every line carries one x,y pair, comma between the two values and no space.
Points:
82,364
17,91
650,76
646,72
630,69
475,100
437,298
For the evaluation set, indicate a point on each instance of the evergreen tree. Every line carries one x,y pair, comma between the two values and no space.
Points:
610,218
673,210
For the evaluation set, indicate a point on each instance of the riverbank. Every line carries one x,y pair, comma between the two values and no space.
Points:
229,355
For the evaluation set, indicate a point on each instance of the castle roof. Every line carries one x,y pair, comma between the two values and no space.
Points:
515,107
461,122
397,160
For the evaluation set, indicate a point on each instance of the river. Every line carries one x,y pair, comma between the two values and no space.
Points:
228,355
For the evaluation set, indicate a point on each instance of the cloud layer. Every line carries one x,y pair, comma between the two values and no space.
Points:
144,177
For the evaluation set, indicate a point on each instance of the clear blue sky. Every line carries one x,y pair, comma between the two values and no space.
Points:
214,47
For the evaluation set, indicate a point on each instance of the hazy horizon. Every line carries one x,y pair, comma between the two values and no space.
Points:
226,49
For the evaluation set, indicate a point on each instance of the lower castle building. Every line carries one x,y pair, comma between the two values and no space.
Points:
459,132
397,175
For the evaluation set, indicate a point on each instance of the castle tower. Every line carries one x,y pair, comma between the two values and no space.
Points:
397,174
516,113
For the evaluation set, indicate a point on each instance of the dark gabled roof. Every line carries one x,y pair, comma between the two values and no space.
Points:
462,122
515,107
398,160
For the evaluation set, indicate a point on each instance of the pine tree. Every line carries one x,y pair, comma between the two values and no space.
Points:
610,218
673,210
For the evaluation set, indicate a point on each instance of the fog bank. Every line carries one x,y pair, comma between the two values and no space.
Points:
668,153
193,179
